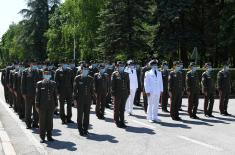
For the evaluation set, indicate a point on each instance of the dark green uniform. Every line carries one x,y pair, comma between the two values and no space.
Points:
101,91
224,87
46,102
138,91
175,87
3,80
29,81
164,97
64,81
208,88
183,76
109,71
120,91
83,90
193,88
11,82
145,98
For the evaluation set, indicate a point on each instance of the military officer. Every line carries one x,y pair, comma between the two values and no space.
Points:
224,87
83,90
138,91
45,103
132,72
101,90
164,97
153,86
208,89
20,99
3,80
64,81
29,80
109,70
120,90
193,90
143,71
183,76
175,90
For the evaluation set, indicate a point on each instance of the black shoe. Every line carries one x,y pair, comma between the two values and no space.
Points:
42,141
166,111
211,115
35,126
63,122
50,139
107,106
227,114
56,113
181,109
86,132
118,125
81,132
28,127
123,125
102,117
196,117
70,121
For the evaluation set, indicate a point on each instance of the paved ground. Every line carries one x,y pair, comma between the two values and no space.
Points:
204,136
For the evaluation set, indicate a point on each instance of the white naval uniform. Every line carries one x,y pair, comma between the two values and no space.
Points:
154,85
133,87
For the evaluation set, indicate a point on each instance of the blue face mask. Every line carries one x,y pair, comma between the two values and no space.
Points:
65,66
121,69
194,69
178,68
72,65
34,67
165,67
85,72
102,71
132,66
154,67
47,77
209,69
226,68
181,67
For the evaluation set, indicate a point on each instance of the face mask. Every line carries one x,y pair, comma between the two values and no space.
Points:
121,69
226,68
94,65
34,67
132,67
181,67
47,77
65,66
154,67
177,69
50,67
72,65
165,67
194,69
85,72
209,69
102,71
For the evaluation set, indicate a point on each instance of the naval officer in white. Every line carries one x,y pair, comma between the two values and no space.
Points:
153,86
131,70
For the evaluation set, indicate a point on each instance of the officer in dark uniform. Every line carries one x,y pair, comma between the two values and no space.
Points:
15,88
224,87
120,89
10,86
164,96
64,81
138,91
20,99
193,90
83,90
175,90
183,75
101,90
145,98
3,80
109,70
208,89
29,81
45,103
8,71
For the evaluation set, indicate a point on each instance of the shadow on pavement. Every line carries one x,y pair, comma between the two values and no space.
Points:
139,116
110,120
101,138
72,125
56,132
173,125
62,145
140,130
213,121
197,122
228,118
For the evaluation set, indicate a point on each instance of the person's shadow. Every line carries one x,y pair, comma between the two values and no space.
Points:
174,125
101,138
56,132
198,122
62,145
140,130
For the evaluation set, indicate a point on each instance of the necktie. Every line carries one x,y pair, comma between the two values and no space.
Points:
155,73
132,71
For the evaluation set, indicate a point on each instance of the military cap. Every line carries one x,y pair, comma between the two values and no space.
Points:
153,62
129,62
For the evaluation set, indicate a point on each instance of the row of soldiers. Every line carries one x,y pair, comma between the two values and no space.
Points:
33,90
